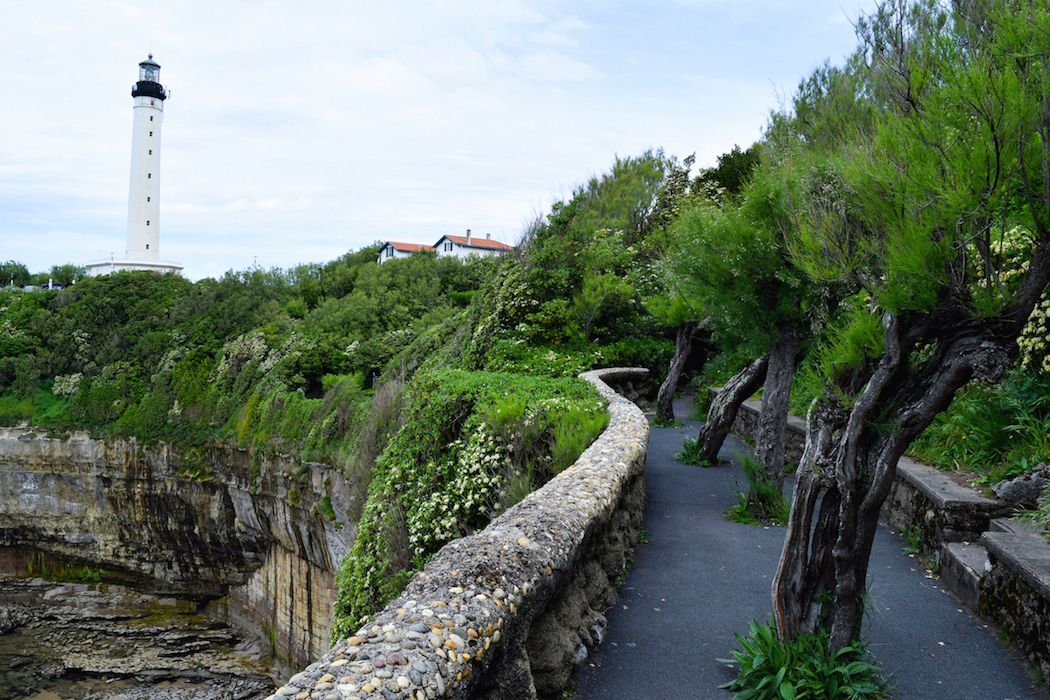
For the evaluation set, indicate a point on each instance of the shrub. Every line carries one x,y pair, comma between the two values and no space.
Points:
770,669
574,429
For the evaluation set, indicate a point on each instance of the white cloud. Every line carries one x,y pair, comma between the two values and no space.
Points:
296,131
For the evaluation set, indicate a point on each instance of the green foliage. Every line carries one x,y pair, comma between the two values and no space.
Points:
465,437
580,281
326,509
53,570
41,408
715,373
1041,515
690,453
66,274
998,432
734,169
770,669
13,273
573,430
728,264
763,504
913,539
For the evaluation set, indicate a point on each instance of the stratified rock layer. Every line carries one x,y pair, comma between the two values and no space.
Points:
203,523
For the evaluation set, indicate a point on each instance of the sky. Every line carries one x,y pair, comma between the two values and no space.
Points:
297,131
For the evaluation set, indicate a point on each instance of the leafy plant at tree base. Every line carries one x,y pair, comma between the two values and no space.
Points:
771,669
690,454
763,504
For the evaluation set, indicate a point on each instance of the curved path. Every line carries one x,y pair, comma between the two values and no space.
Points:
700,578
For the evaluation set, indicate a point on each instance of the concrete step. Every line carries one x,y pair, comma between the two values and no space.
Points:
962,566
1014,526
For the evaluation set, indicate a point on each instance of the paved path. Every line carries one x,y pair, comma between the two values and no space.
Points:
700,578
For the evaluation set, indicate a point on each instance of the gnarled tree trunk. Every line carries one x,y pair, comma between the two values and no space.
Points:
849,464
723,410
683,345
772,420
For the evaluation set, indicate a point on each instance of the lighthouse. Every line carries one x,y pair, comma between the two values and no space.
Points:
143,226
144,188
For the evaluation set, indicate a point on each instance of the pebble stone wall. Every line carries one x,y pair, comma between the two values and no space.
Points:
473,621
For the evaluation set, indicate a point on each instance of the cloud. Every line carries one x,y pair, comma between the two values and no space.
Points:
297,131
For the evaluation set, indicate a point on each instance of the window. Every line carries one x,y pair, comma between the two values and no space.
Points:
149,176
147,222
151,133
151,151
147,199
147,245
151,118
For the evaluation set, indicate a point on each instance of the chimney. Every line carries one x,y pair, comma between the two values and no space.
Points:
488,236
468,236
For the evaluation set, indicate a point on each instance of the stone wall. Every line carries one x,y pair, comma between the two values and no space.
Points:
203,523
507,612
1015,592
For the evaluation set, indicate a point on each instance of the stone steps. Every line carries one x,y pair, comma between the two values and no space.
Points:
1014,526
962,566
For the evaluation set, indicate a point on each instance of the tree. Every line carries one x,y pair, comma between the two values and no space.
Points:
733,170
66,274
959,153
731,260
675,312
13,273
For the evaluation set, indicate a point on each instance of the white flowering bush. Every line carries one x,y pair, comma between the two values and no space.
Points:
1012,252
468,437
67,384
471,485
240,352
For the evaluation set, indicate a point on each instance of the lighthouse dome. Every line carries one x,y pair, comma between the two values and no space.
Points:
149,81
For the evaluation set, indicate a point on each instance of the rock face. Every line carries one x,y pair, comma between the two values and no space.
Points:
104,641
1024,491
201,523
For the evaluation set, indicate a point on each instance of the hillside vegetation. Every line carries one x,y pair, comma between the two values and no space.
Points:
886,242
445,388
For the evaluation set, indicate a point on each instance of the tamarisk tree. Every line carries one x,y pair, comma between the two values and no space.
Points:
957,155
731,260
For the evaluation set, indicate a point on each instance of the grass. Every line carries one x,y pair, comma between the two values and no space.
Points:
913,539
1040,516
42,409
56,571
997,432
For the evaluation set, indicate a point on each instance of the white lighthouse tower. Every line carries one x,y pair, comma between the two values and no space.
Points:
143,230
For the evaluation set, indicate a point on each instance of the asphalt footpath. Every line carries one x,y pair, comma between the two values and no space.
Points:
700,578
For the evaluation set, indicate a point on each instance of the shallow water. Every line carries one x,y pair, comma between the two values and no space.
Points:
65,641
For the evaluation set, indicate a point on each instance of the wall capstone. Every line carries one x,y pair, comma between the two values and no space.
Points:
505,612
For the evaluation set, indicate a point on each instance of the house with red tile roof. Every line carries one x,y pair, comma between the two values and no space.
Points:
464,246
397,249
